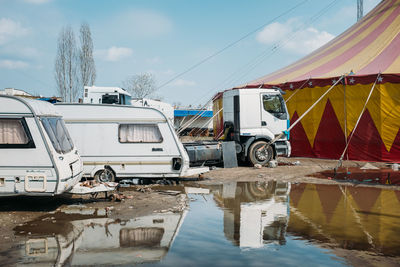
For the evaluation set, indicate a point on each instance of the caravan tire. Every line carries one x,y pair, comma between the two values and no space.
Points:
105,175
260,157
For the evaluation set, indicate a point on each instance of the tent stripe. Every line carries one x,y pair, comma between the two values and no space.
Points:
352,52
388,57
333,46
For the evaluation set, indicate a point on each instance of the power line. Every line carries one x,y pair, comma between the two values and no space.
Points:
261,57
229,45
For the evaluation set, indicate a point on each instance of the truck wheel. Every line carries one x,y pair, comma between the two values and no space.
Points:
260,156
106,175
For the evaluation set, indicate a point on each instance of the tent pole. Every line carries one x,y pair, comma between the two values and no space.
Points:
302,116
355,126
345,116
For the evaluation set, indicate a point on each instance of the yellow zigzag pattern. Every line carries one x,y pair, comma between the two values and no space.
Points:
384,107
344,217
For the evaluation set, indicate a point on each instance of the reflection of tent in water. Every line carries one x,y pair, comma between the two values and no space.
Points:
359,218
76,239
254,213
369,47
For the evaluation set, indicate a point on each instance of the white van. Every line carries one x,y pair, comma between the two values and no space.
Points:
37,156
118,141
106,95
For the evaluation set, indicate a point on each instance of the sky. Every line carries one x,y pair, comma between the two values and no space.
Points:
169,39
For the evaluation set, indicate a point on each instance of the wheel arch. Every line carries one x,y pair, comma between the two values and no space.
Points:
99,168
257,138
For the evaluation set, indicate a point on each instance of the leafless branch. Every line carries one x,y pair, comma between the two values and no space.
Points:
87,65
140,85
66,72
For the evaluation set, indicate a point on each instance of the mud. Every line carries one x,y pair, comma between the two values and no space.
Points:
296,170
22,217
16,212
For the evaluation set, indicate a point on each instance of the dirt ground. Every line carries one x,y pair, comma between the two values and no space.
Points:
17,211
145,200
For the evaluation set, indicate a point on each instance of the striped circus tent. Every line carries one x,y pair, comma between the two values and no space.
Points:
367,53
360,218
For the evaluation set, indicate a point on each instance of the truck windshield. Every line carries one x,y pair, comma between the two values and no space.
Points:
109,99
58,134
275,105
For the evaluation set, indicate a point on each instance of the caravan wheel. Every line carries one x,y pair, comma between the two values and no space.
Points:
260,156
105,175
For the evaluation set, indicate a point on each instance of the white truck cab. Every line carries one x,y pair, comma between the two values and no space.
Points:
106,95
252,118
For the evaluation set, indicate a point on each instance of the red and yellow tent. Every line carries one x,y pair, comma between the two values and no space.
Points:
366,53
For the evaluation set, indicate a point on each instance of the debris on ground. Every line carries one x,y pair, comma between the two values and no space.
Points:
257,166
369,166
182,204
168,192
118,197
272,164
282,162
90,183
196,190
144,189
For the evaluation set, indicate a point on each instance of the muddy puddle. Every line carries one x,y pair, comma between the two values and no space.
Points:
384,176
232,224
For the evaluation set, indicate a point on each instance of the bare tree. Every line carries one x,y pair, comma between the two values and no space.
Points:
87,65
66,65
140,85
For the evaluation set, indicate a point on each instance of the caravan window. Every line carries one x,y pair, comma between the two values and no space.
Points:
58,134
14,133
139,133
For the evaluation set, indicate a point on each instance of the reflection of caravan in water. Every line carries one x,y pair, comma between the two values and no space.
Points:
254,213
92,240
106,95
123,141
37,156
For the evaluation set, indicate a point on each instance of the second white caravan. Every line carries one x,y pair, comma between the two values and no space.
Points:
123,141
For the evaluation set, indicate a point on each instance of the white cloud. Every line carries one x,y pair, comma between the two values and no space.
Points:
144,23
19,51
168,72
183,83
153,60
289,38
114,53
10,29
13,64
37,2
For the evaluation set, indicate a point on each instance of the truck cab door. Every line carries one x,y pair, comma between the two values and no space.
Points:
274,115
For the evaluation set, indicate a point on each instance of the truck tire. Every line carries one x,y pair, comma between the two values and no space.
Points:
261,157
105,175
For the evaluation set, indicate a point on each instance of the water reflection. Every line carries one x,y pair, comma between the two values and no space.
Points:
68,238
233,224
361,218
254,213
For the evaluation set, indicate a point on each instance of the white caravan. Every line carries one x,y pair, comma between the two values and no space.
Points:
106,95
165,108
37,156
126,141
